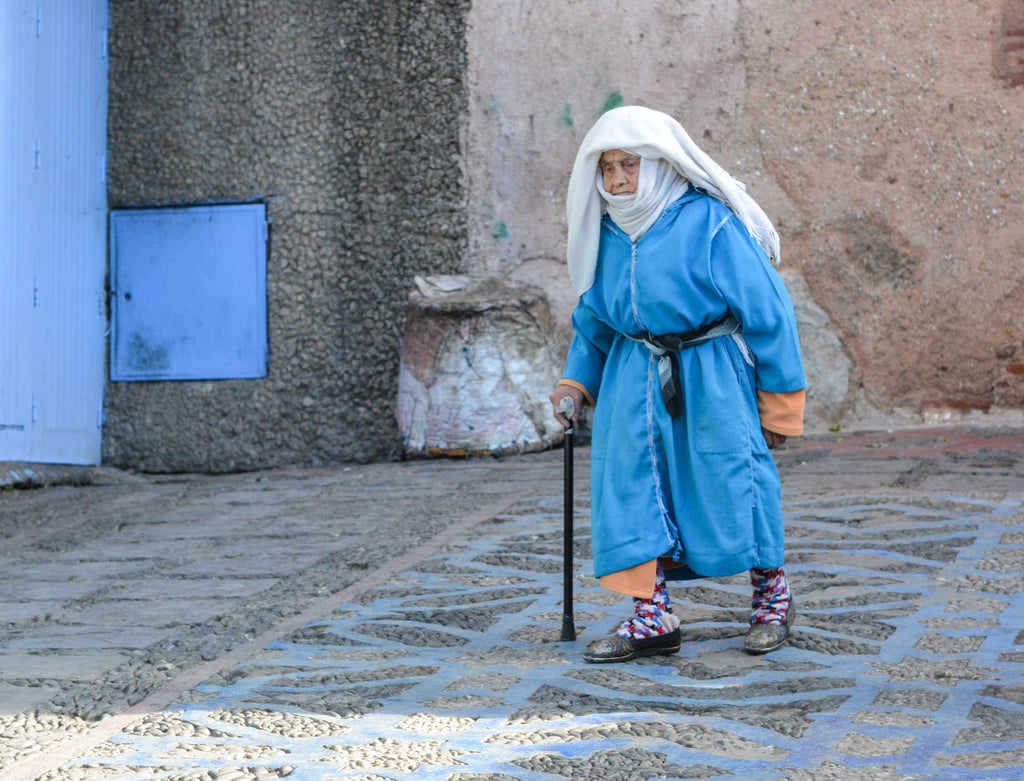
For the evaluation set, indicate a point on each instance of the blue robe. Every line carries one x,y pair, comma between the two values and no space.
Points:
701,488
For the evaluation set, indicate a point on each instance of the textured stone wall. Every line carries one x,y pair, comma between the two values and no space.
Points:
901,156
344,118
877,134
400,137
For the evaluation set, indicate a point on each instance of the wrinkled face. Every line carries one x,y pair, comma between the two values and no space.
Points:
620,172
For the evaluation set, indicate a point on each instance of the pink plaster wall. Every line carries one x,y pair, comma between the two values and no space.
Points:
877,134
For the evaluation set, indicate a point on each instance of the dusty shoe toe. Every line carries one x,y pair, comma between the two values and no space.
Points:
762,638
621,649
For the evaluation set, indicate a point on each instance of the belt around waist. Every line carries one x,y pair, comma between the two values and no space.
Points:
664,343
666,346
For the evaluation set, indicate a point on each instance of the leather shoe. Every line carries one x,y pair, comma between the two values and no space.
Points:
621,649
762,638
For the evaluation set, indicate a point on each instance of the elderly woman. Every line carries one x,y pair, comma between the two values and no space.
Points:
686,343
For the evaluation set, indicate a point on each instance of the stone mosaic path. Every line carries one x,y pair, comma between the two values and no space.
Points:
907,662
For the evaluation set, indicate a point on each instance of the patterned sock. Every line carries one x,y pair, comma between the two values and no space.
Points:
651,616
770,602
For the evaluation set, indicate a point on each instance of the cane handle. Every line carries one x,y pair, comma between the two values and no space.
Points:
566,406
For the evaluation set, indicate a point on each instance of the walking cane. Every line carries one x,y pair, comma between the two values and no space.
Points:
567,408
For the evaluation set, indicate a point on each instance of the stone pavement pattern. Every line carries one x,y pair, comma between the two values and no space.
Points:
905,553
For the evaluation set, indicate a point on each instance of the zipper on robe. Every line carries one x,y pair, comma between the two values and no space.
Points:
652,445
632,287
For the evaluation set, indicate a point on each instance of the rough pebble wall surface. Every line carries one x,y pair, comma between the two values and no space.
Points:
344,118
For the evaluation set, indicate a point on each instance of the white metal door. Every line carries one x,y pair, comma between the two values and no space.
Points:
53,115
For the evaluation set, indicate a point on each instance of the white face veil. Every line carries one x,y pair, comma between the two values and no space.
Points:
658,185
654,136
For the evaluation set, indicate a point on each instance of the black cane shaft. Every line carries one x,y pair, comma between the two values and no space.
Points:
568,624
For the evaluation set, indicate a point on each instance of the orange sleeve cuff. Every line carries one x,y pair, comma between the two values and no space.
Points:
782,413
588,398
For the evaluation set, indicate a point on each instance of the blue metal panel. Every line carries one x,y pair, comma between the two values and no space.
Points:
189,298
16,279
53,78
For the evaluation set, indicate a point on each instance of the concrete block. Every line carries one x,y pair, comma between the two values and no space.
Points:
478,363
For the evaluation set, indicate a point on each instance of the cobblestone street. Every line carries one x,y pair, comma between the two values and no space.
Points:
401,621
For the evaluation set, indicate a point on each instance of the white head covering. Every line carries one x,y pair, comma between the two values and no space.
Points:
654,136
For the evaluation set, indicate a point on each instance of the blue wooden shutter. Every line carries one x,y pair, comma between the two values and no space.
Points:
53,117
